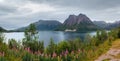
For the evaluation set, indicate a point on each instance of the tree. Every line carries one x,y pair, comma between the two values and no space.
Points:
31,33
118,32
51,47
87,38
3,46
31,39
36,46
12,43
104,35
63,46
2,38
75,44
101,36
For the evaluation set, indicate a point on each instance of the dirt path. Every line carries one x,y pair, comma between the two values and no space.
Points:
113,54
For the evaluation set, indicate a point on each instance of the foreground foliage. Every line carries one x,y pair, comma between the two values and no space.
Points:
31,49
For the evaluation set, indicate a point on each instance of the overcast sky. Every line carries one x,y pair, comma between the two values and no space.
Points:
19,13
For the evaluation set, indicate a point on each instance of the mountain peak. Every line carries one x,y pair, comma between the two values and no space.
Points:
81,14
80,22
73,19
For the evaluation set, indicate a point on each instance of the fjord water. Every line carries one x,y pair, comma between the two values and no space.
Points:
45,36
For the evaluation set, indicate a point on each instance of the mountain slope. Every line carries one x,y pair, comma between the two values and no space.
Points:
113,25
80,23
101,24
41,25
2,29
47,24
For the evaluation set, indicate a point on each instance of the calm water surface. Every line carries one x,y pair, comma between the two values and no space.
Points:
45,36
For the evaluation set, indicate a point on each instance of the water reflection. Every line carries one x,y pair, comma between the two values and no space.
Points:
45,36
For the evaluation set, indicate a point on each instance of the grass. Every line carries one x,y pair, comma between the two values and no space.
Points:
106,60
117,56
116,44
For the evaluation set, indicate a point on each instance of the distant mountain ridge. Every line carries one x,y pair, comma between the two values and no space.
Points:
113,25
74,22
101,24
107,26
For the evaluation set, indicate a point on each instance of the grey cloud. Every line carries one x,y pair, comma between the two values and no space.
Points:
106,10
84,4
6,9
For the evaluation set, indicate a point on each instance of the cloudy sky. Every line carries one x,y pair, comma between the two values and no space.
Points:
19,13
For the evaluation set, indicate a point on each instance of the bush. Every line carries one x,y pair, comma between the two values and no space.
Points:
3,59
52,47
118,33
75,44
63,46
13,44
27,57
2,38
3,48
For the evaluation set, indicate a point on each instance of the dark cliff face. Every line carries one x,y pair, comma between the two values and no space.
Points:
75,20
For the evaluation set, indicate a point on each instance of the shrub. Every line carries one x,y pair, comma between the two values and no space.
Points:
2,38
3,59
27,57
118,33
63,46
52,47
12,43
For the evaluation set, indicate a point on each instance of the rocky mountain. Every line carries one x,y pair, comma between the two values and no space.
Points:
42,25
75,20
107,26
113,25
80,23
47,24
101,24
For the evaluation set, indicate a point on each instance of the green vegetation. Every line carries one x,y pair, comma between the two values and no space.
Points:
31,49
2,29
